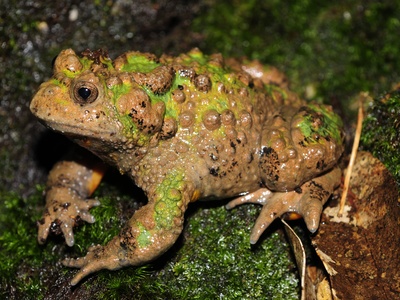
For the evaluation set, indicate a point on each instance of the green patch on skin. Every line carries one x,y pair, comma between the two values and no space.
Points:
219,133
107,62
71,74
144,237
328,127
87,63
273,89
171,107
200,61
168,200
64,89
138,62
203,65
196,55
130,129
118,90
62,101
381,133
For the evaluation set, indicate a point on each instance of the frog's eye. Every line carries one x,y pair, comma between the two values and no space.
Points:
85,92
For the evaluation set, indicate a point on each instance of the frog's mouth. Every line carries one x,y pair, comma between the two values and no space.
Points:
80,130
95,144
84,136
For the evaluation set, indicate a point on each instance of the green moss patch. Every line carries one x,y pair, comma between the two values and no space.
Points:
20,250
214,251
381,133
217,261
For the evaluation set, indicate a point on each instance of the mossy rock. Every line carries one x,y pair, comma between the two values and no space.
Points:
381,131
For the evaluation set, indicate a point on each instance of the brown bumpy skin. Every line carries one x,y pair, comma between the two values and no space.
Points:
183,128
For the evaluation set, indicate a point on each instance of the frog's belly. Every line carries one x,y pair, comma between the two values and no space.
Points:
224,181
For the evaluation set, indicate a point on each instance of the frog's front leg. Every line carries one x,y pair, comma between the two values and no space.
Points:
151,231
68,186
307,201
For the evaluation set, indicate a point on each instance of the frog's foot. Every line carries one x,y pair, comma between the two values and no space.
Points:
277,204
111,257
307,201
64,208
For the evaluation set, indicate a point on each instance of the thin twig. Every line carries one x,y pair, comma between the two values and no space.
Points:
353,155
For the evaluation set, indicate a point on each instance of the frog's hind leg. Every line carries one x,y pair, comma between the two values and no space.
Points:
151,231
299,144
139,242
307,201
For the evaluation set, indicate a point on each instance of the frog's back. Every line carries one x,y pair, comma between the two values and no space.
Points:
214,112
201,91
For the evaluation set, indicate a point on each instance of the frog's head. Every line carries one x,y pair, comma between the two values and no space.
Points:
93,101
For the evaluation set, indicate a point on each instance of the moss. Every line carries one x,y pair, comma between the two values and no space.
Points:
19,248
329,51
216,253
381,133
216,250
27,267
126,283
107,225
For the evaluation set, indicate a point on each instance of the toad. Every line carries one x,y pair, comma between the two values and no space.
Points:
183,128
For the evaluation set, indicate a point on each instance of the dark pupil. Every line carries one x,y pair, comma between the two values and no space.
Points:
84,92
